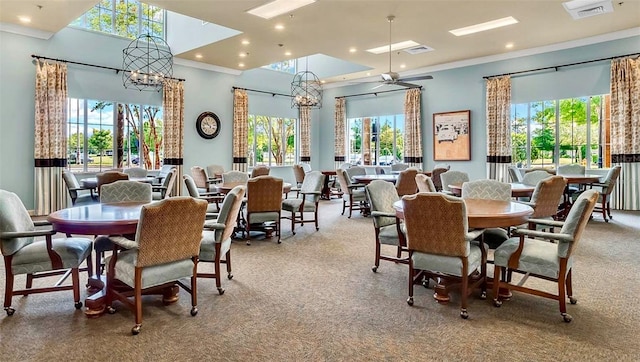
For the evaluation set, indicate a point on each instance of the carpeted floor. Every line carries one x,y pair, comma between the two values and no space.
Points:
314,298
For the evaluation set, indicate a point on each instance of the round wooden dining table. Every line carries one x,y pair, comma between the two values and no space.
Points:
517,189
366,179
225,187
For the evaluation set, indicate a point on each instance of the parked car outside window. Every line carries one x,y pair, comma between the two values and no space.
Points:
447,133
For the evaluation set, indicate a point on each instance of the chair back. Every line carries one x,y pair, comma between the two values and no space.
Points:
200,177
168,183
305,167
572,169
192,188
399,167
610,180
486,190
71,182
379,170
235,176
442,165
533,177
135,172
229,211
170,230
260,171
109,177
436,224
406,183
286,173
215,170
547,196
164,171
14,217
435,177
264,194
576,221
299,173
453,177
312,186
343,180
125,191
382,195
424,183
515,174
355,171
345,166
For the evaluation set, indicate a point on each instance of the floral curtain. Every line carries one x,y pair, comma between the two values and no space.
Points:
173,108
305,134
340,131
240,129
413,134
50,137
498,128
625,131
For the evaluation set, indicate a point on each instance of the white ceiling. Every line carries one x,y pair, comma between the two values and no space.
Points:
332,27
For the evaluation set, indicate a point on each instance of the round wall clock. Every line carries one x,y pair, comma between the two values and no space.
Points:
208,125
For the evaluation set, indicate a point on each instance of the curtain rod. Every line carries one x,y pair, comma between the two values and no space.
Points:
376,93
273,94
117,70
559,66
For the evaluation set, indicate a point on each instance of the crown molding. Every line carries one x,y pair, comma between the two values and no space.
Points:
26,31
210,67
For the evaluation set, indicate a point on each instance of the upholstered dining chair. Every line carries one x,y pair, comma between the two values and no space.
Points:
201,179
213,198
382,194
299,173
406,182
489,190
119,191
158,179
439,244
551,261
260,170
353,195
165,250
214,172
424,183
264,203
399,167
514,174
311,190
435,177
75,189
23,254
546,198
533,177
289,176
235,176
355,171
216,238
135,172
109,177
164,191
605,188
571,169
452,177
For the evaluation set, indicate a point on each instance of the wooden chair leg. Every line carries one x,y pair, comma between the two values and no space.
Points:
227,260
137,296
90,264
465,290
315,217
8,290
497,271
377,261
29,282
411,275
75,280
216,267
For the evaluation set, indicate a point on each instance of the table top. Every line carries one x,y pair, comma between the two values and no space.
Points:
365,179
228,186
581,179
488,213
517,189
116,218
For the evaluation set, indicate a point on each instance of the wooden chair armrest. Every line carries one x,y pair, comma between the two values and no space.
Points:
123,242
548,222
382,214
544,235
41,223
214,225
25,234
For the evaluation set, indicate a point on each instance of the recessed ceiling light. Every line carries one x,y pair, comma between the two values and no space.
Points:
24,19
323,81
368,74
246,42
396,46
198,56
278,7
241,65
287,53
509,45
352,50
279,27
509,20
242,55
403,66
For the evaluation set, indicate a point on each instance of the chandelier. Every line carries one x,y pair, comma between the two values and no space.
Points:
147,62
306,90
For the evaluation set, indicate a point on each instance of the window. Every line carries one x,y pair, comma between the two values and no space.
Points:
558,132
376,140
125,18
272,141
287,66
96,143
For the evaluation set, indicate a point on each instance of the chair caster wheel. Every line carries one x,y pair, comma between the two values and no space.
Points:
317,229
220,291
279,242
248,242
111,310
78,305
464,314
9,311
567,317
497,303
410,300
573,300
136,329
374,269
194,311
230,276
425,283
483,295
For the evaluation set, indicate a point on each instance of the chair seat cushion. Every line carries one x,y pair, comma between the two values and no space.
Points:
538,256
208,246
451,265
293,205
389,235
260,217
34,258
152,275
358,195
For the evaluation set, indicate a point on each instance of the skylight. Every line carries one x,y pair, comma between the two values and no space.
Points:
509,20
396,46
278,7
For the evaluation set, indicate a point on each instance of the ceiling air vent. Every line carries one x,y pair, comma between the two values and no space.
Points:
418,49
580,9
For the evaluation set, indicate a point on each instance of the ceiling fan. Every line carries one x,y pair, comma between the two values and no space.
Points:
393,78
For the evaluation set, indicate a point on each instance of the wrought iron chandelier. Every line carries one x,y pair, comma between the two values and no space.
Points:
147,62
306,90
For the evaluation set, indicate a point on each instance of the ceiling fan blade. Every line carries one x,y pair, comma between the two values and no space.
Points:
408,85
379,85
420,77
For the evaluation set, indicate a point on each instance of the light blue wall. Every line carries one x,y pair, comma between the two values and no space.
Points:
456,89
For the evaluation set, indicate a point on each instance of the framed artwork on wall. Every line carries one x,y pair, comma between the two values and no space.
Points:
451,136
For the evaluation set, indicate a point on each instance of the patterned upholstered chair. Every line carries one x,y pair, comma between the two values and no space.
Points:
75,189
571,169
216,237
162,173
135,172
546,198
353,195
109,177
382,195
605,188
164,191
435,177
355,171
452,177
306,167
310,190
201,178
165,250
399,167
235,176
264,203
439,244
424,183
299,173
260,170
213,198
515,174
533,177
288,175
542,259
406,183
489,190
43,258
214,172
379,170
119,191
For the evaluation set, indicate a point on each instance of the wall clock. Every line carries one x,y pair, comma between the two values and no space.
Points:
208,125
